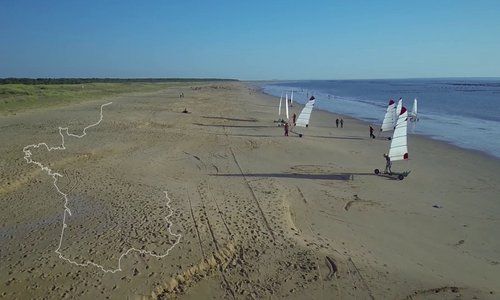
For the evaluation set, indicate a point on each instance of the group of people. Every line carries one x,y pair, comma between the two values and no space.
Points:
338,121
341,121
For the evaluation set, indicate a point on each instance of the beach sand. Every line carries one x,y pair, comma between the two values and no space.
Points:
261,215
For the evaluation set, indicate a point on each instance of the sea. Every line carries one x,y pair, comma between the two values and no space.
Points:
462,111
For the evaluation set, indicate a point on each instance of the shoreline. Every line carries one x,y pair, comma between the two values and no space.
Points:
482,153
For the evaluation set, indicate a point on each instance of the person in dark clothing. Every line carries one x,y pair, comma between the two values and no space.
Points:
371,132
294,118
337,122
388,164
341,123
286,129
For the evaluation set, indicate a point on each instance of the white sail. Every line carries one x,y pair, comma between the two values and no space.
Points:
286,101
413,114
279,109
399,143
291,98
398,109
389,118
305,114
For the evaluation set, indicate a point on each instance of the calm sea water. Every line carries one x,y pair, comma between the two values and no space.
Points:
464,112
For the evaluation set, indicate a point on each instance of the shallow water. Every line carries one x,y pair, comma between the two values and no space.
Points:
464,112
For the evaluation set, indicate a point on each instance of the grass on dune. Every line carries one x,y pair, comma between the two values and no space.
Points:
18,97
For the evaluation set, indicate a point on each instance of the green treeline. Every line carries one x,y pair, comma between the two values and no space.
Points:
103,80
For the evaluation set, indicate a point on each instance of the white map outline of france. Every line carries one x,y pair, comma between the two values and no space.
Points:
64,132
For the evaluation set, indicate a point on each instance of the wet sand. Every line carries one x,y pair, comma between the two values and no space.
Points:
261,215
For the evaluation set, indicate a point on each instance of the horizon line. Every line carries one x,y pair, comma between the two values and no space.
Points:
240,79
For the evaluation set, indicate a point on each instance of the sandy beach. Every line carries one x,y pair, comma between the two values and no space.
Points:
248,214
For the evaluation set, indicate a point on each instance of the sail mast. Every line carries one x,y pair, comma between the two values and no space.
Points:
397,112
413,114
399,142
389,118
279,108
398,109
286,98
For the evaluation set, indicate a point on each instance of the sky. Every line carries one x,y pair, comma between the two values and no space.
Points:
250,40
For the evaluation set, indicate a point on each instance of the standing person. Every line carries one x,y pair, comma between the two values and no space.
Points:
337,122
371,132
341,123
388,164
294,117
286,129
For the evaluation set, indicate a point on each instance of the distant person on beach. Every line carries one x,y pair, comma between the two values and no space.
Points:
388,164
337,122
371,132
286,129
341,123
294,117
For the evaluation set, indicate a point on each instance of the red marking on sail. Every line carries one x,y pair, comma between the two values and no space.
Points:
403,110
391,102
312,98
405,156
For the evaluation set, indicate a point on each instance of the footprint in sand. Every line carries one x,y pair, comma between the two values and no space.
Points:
104,216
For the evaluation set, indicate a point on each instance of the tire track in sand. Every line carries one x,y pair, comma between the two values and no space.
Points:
216,243
253,195
195,224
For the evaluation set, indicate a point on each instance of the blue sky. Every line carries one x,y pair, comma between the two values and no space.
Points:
250,39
